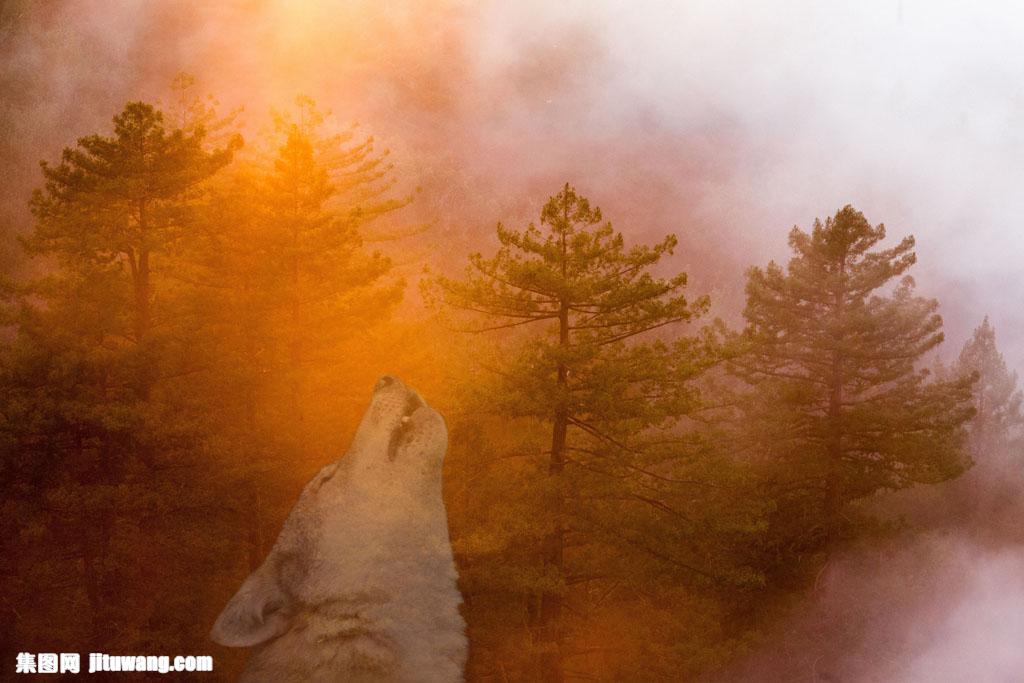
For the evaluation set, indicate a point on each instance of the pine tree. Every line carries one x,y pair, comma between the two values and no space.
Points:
116,204
612,497
322,193
288,286
98,463
143,459
994,434
839,408
998,401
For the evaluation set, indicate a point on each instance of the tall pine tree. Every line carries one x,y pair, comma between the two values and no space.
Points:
606,505
118,203
289,286
994,435
97,462
840,408
322,193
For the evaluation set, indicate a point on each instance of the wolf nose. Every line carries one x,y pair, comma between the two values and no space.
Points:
385,382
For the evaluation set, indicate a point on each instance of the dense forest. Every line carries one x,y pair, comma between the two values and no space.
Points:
636,489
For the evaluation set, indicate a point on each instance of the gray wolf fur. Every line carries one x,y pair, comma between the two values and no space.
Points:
360,584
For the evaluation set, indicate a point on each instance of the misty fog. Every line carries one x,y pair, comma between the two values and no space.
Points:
724,122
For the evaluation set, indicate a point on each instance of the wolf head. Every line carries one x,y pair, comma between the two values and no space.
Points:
401,441
363,557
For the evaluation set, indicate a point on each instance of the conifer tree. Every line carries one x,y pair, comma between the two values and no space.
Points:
116,204
322,192
608,500
289,285
98,461
998,401
840,408
995,483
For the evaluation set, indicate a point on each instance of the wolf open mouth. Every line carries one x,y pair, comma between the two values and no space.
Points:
404,428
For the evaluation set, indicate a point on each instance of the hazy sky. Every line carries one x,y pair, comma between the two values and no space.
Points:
726,122
911,111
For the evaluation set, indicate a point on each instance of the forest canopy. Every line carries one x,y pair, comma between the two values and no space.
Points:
635,488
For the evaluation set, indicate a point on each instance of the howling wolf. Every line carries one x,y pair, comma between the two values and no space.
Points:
361,583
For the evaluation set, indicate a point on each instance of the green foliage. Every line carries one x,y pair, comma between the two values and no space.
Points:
988,494
321,193
838,408
99,470
288,279
152,414
607,497
627,500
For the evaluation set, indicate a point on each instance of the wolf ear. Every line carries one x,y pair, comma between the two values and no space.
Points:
258,612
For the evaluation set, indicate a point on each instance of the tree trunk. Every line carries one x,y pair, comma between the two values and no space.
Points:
834,476
142,312
295,343
142,315
833,483
551,632
141,279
